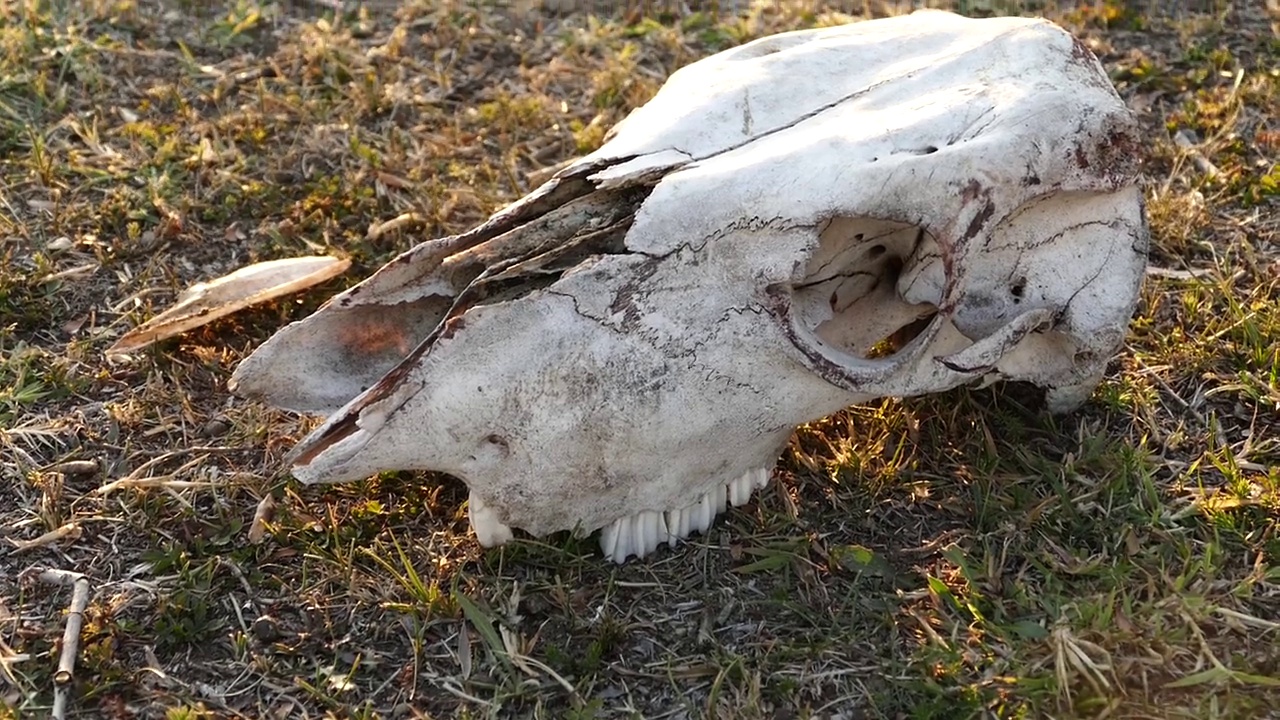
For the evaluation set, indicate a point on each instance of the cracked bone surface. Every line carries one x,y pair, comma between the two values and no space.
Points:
806,222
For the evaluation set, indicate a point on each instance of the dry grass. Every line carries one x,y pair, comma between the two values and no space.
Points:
954,557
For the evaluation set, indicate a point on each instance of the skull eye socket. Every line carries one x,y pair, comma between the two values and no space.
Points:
849,300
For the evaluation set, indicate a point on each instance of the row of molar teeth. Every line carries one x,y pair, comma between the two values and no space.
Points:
642,533
637,534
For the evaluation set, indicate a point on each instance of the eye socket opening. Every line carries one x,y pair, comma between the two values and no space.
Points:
849,302
893,343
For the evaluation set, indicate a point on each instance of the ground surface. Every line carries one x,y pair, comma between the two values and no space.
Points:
963,556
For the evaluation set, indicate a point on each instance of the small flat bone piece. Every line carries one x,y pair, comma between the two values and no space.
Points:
205,302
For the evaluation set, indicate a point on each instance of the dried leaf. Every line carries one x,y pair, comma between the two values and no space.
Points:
73,326
262,516
483,625
464,651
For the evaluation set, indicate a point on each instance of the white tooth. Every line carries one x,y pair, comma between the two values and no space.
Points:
609,538
638,535
740,491
641,544
633,538
684,517
658,531
713,505
705,514
490,531
613,538
649,536
736,495
677,526
694,512
626,531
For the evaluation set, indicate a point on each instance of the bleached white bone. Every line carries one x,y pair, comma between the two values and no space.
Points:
489,530
803,223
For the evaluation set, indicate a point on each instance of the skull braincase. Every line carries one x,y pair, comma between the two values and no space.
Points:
805,222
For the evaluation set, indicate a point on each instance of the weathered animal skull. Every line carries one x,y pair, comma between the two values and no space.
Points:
806,222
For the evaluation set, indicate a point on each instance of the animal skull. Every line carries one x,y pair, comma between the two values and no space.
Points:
806,222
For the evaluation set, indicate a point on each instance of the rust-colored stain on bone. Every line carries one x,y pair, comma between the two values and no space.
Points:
377,338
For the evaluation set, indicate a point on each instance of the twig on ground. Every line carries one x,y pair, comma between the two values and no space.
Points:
8,658
1172,274
398,222
165,482
75,467
70,530
70,634
136,480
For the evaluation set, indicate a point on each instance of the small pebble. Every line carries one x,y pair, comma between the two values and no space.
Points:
265,629
216,427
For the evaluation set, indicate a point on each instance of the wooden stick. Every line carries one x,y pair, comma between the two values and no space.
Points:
70,530
70,634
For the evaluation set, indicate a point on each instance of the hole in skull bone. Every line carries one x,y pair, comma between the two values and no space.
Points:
850,296
1018,289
